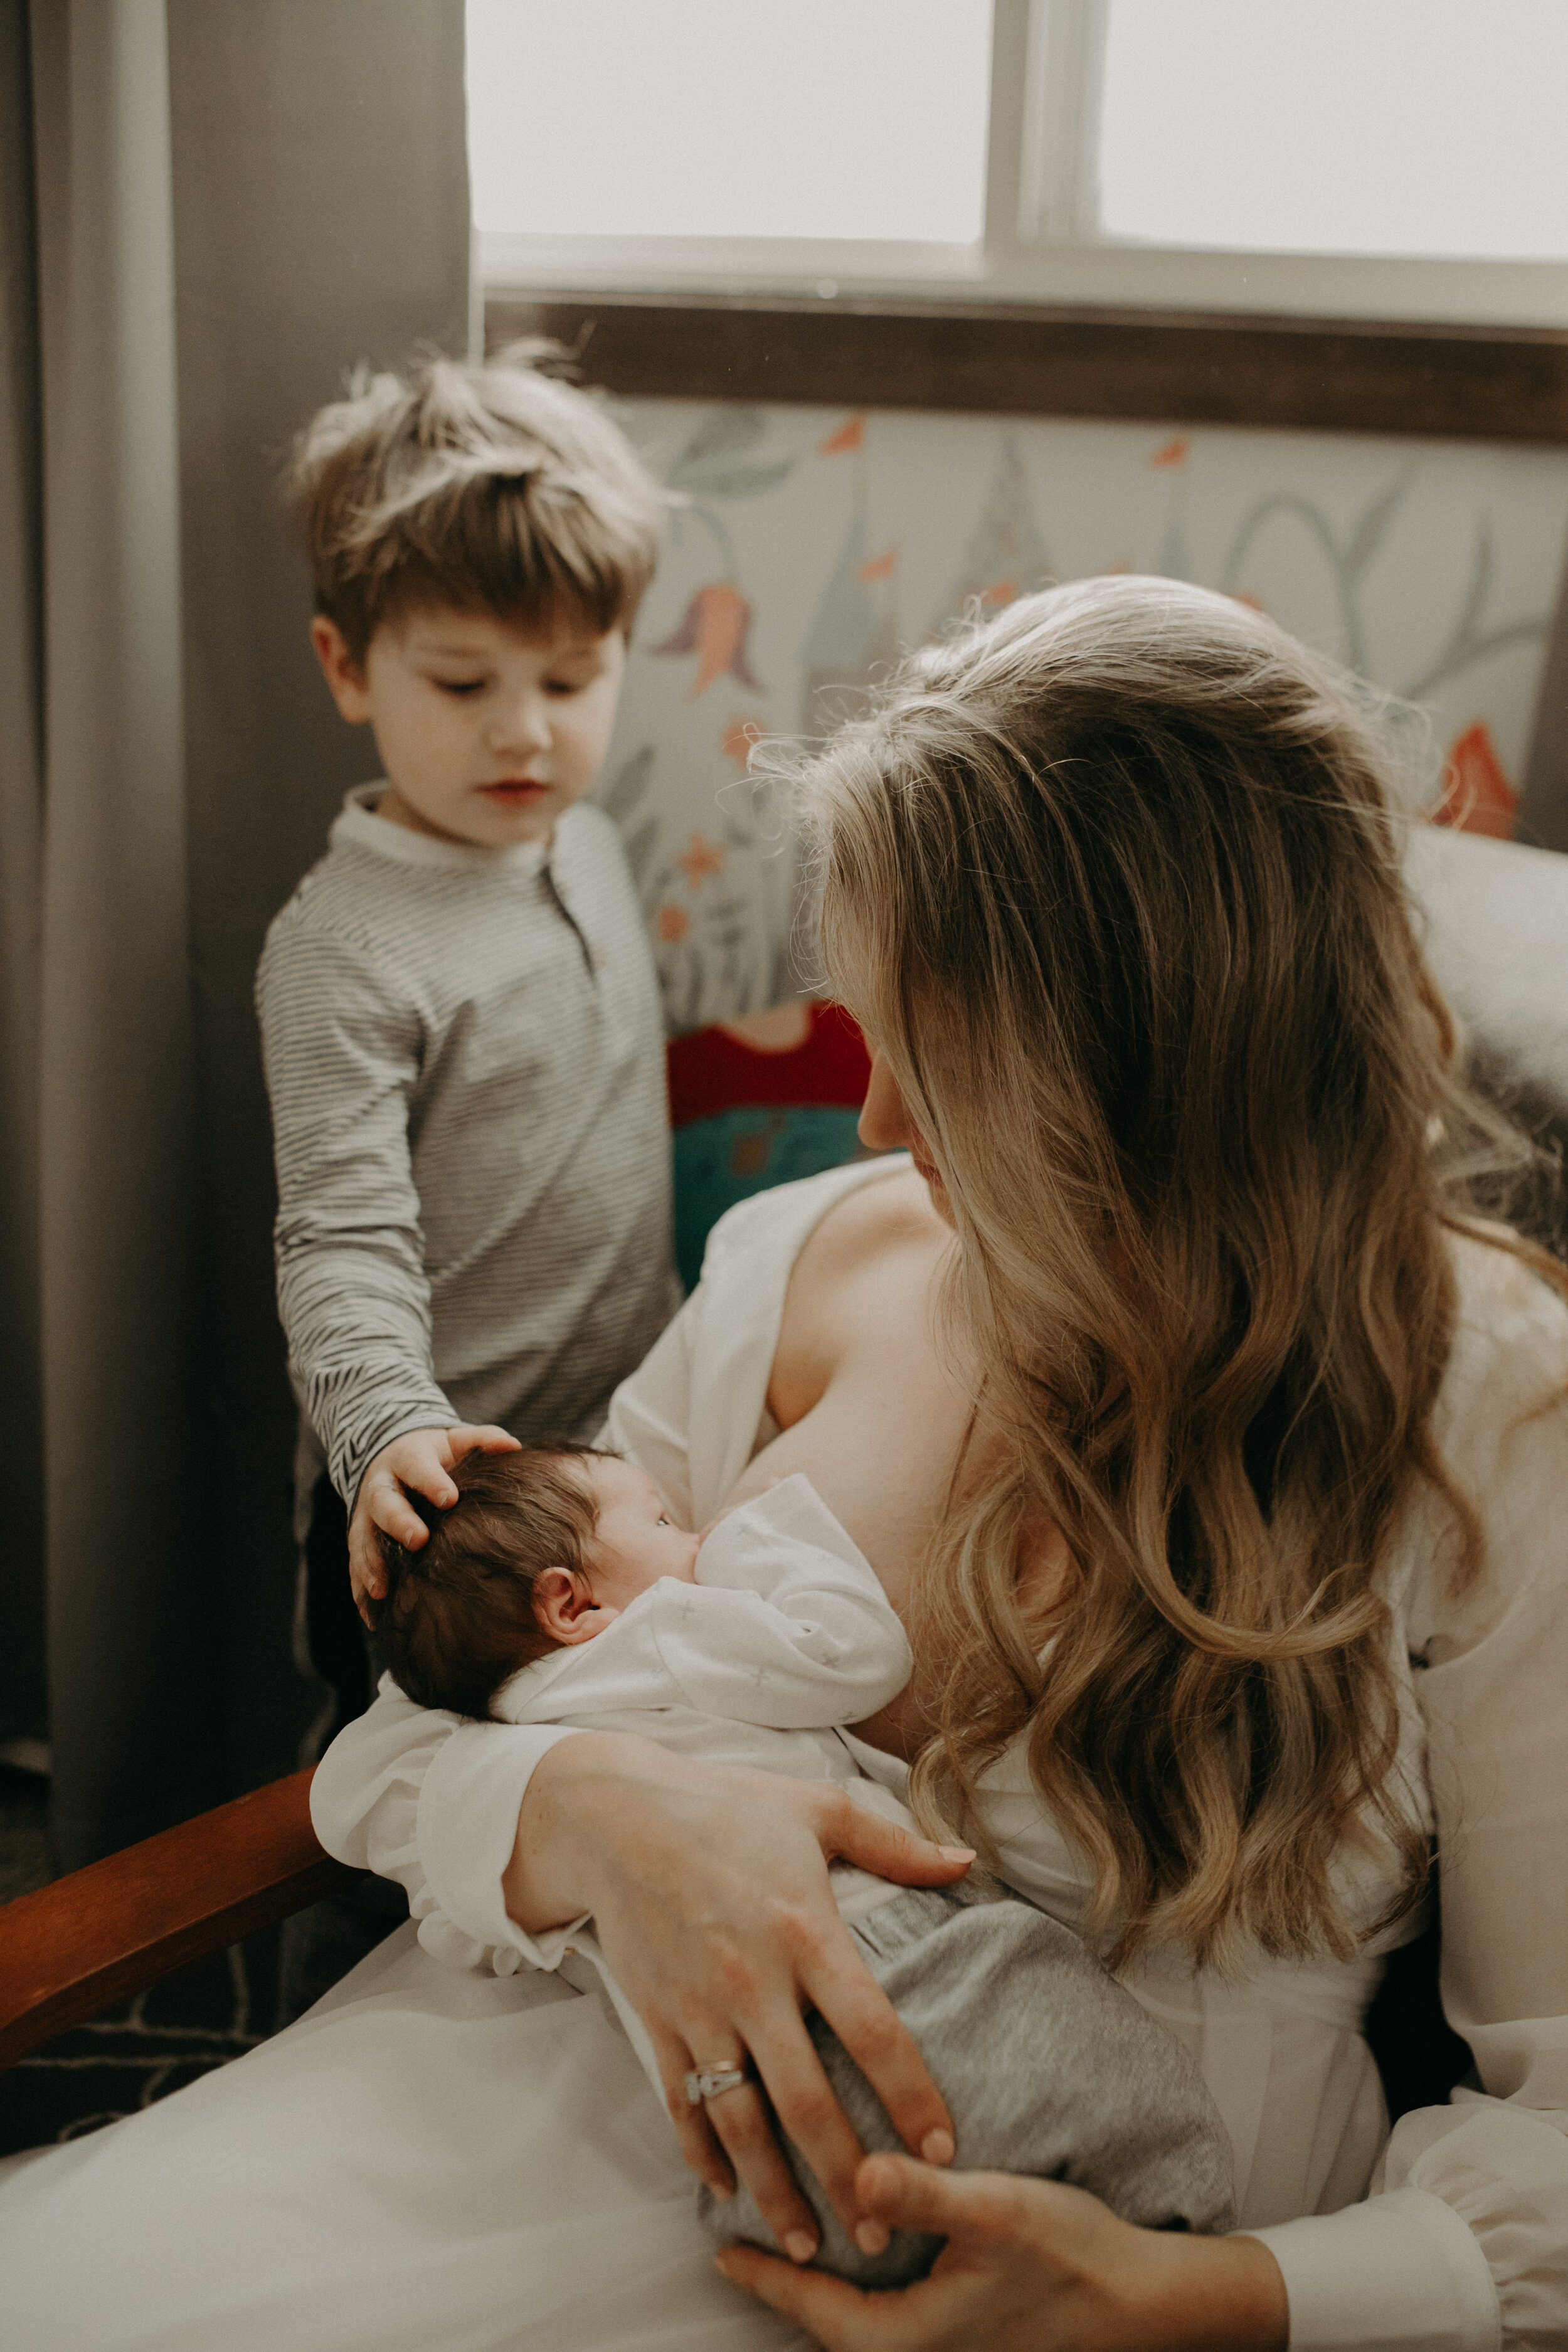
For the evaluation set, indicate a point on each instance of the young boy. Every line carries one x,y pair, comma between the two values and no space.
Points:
558,1590
459,1018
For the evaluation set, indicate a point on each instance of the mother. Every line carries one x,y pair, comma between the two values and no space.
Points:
1218,1463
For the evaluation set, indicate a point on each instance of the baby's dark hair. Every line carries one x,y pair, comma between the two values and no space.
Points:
459,1619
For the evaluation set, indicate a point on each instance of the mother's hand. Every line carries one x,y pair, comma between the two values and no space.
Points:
1030,2266
710,1894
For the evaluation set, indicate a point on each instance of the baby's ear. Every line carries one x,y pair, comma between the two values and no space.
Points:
562,1602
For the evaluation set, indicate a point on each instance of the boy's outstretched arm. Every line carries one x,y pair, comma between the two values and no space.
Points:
341,1043
422,1460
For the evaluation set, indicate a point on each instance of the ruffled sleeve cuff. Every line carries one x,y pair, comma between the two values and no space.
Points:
468,1805
1402,2273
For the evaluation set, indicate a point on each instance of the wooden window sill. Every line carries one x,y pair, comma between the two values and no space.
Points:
1462,383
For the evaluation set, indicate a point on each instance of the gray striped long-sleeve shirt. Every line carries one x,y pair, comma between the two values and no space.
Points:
465,1057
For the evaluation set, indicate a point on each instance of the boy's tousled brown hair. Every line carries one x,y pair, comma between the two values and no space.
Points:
497,489
458,1620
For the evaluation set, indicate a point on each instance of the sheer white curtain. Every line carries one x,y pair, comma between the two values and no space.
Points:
231,202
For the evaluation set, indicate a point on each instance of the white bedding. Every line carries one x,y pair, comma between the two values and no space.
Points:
426,2162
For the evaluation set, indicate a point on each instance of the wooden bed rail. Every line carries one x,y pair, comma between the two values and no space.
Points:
74,1948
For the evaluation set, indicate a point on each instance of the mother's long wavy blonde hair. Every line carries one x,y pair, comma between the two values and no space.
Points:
1115,884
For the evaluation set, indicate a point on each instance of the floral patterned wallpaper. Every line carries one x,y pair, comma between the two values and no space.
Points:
811,546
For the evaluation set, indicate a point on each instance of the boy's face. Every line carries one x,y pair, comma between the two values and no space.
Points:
486,733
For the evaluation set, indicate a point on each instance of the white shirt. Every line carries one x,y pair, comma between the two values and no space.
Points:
1452,2235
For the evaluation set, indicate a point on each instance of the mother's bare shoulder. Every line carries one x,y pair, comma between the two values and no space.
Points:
883,1234
863,1227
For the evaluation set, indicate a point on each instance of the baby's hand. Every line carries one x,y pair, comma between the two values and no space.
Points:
421,1460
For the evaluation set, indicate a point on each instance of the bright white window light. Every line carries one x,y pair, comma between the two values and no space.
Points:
859,119
1436,126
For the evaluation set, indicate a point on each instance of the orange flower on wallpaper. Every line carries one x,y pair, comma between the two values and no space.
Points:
1001,591
701,858
714,627
741,738
1174,453
673,924
881,567
1476,794
849,437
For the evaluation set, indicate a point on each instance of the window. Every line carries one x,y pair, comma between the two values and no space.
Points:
747,140
850,120
1396,158
1349,127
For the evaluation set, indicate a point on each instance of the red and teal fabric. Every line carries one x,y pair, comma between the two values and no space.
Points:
745,1119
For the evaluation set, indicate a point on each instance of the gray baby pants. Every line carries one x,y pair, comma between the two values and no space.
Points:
1046,2065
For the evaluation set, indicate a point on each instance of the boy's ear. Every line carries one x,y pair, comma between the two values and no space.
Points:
343,673
565,1607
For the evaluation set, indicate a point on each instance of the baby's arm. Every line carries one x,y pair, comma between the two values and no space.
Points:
788,1625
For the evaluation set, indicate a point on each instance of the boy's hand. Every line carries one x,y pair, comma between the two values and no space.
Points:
422,1460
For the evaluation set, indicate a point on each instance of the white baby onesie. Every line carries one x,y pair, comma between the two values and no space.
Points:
785,1635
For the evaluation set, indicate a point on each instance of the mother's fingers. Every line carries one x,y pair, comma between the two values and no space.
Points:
739,2120
730,2135
855,1834
840,2317
698,2143
1030,2266
993,2285
849,2000
981,2206
804,2102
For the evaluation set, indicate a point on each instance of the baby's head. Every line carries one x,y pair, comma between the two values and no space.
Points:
479,538
541,1550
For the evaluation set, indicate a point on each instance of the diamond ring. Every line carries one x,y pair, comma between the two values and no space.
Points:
708,2082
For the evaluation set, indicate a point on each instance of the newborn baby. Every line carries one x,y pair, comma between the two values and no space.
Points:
557,1590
